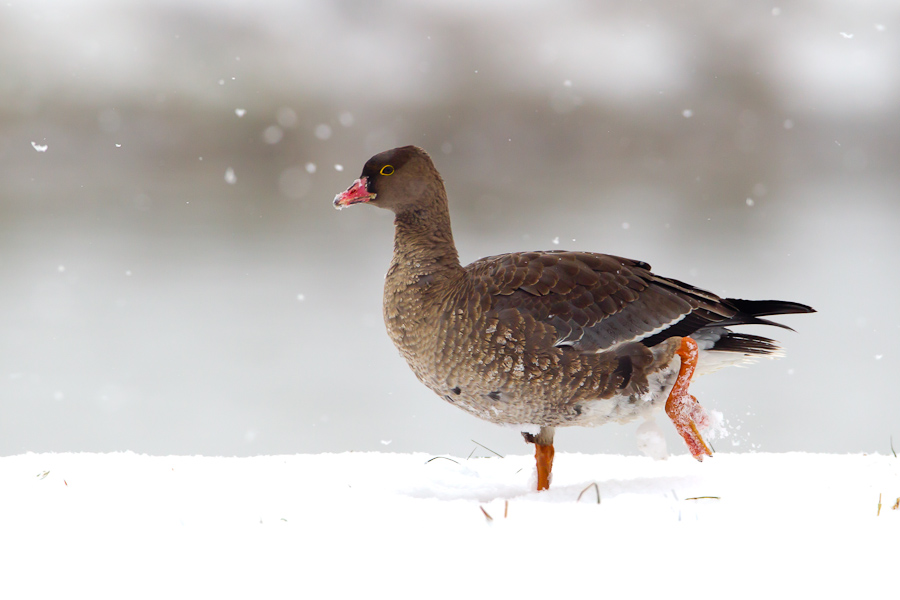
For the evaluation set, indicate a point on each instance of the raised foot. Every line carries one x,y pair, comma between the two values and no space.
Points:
684,410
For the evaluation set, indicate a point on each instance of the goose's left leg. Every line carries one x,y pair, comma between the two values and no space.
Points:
684,410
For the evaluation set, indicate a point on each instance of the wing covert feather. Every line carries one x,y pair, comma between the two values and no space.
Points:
594,302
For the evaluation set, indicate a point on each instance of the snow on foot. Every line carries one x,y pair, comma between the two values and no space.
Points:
689,418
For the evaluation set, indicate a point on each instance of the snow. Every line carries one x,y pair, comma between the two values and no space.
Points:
323,131
272,134
346,118
356,524
286,117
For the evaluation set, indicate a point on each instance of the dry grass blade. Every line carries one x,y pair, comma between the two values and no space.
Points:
486,448
596,488
506,507
878,514
892,447
896,505
437,457
486,515
704,498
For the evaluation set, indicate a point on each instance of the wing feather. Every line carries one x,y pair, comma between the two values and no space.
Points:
596,302
593,302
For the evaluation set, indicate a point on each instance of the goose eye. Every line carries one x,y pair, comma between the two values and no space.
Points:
387,170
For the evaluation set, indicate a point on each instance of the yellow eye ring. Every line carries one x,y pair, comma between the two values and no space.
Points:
387,170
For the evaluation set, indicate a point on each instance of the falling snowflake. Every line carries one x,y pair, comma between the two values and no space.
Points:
323,131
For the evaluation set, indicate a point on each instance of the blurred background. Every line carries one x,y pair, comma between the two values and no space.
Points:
174,279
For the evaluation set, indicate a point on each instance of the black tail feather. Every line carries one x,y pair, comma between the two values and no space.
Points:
746,344
763,308
750,311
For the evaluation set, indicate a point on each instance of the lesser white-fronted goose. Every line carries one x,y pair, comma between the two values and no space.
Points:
546,339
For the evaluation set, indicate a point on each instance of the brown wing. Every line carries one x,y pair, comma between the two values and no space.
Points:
593,302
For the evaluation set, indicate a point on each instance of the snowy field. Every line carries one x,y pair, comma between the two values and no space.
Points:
414,526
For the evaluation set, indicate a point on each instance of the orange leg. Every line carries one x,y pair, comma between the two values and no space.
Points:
543,455
682,408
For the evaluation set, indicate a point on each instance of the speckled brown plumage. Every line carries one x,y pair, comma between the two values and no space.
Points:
537,338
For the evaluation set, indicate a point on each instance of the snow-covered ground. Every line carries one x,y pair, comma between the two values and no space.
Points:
414,526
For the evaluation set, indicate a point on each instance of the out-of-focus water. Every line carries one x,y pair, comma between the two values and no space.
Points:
175,280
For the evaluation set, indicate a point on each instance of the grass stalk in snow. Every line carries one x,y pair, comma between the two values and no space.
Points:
596,488
489,450
487,516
